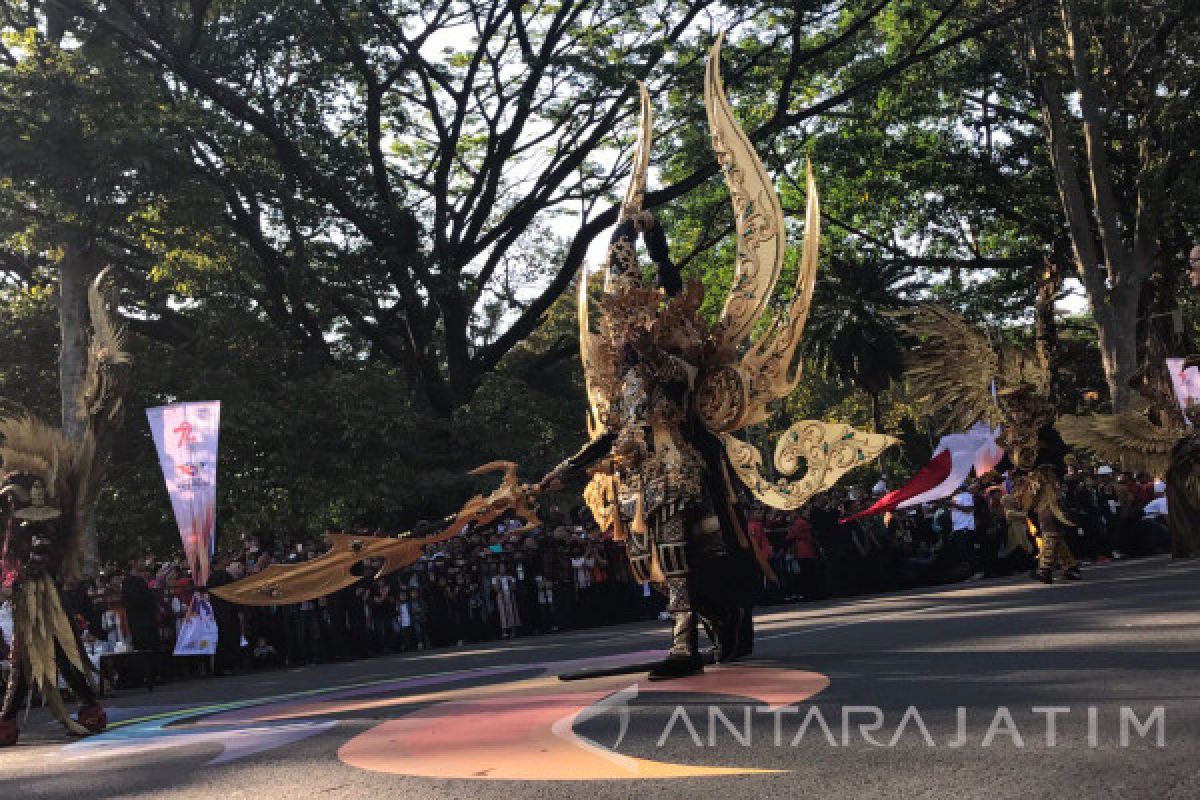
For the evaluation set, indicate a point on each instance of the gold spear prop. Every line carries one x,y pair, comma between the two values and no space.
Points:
283,584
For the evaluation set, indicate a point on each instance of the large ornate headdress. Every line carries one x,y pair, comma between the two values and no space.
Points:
739,375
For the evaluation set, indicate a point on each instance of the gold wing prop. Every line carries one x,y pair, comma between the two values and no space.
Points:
100,405
734,392
282,584
29,445
104,382
757,213
591,356
829,450
73,472
635,194
1183,497
1129,440
43,629
953,366
770,363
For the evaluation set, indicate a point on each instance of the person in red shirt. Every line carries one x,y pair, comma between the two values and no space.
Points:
1143,489
800,538
809,577
757,530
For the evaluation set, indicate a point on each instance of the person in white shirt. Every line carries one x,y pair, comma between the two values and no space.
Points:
404,622
1156,509
962,511
962,523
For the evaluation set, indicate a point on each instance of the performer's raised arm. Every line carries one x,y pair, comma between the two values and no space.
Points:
574,466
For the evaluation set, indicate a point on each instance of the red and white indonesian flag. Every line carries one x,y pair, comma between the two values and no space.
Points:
953,460
186,437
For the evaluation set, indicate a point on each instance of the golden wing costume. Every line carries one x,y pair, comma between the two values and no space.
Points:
954,367
282,584
667,392
48,485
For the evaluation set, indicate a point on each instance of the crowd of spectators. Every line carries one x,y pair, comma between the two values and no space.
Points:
979,532
508,580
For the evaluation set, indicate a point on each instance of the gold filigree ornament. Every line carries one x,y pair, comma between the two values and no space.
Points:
757,212
829,450
767,370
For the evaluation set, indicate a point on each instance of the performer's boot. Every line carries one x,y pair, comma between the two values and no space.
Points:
722,630
684,658
732,635
1066,560
745,637
93,717
17,687
9,732
1047,558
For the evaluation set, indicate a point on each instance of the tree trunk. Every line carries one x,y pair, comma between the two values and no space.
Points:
1045,327
76,270
877,427
1116,324
1113,272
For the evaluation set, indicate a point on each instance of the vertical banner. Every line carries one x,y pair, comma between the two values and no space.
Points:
186,437
1187,384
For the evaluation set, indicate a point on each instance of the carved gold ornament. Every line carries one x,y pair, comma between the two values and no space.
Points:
829,450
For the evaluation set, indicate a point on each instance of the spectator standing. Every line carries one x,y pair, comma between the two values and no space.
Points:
1156,520
141,609
962,527
809,572
504,589
404,622
420,618
382,617
229,630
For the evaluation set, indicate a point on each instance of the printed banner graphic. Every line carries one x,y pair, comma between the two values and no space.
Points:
1187,385
198,632
186,437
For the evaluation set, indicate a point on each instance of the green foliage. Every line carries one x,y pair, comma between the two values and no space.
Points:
357,239
301,448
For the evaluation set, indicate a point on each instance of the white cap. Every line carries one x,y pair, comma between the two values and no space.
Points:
1160,487
1104,470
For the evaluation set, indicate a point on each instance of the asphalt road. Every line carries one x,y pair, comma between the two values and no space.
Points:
948,693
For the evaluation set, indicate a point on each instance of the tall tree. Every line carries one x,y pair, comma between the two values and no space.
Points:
391,162
1115,85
